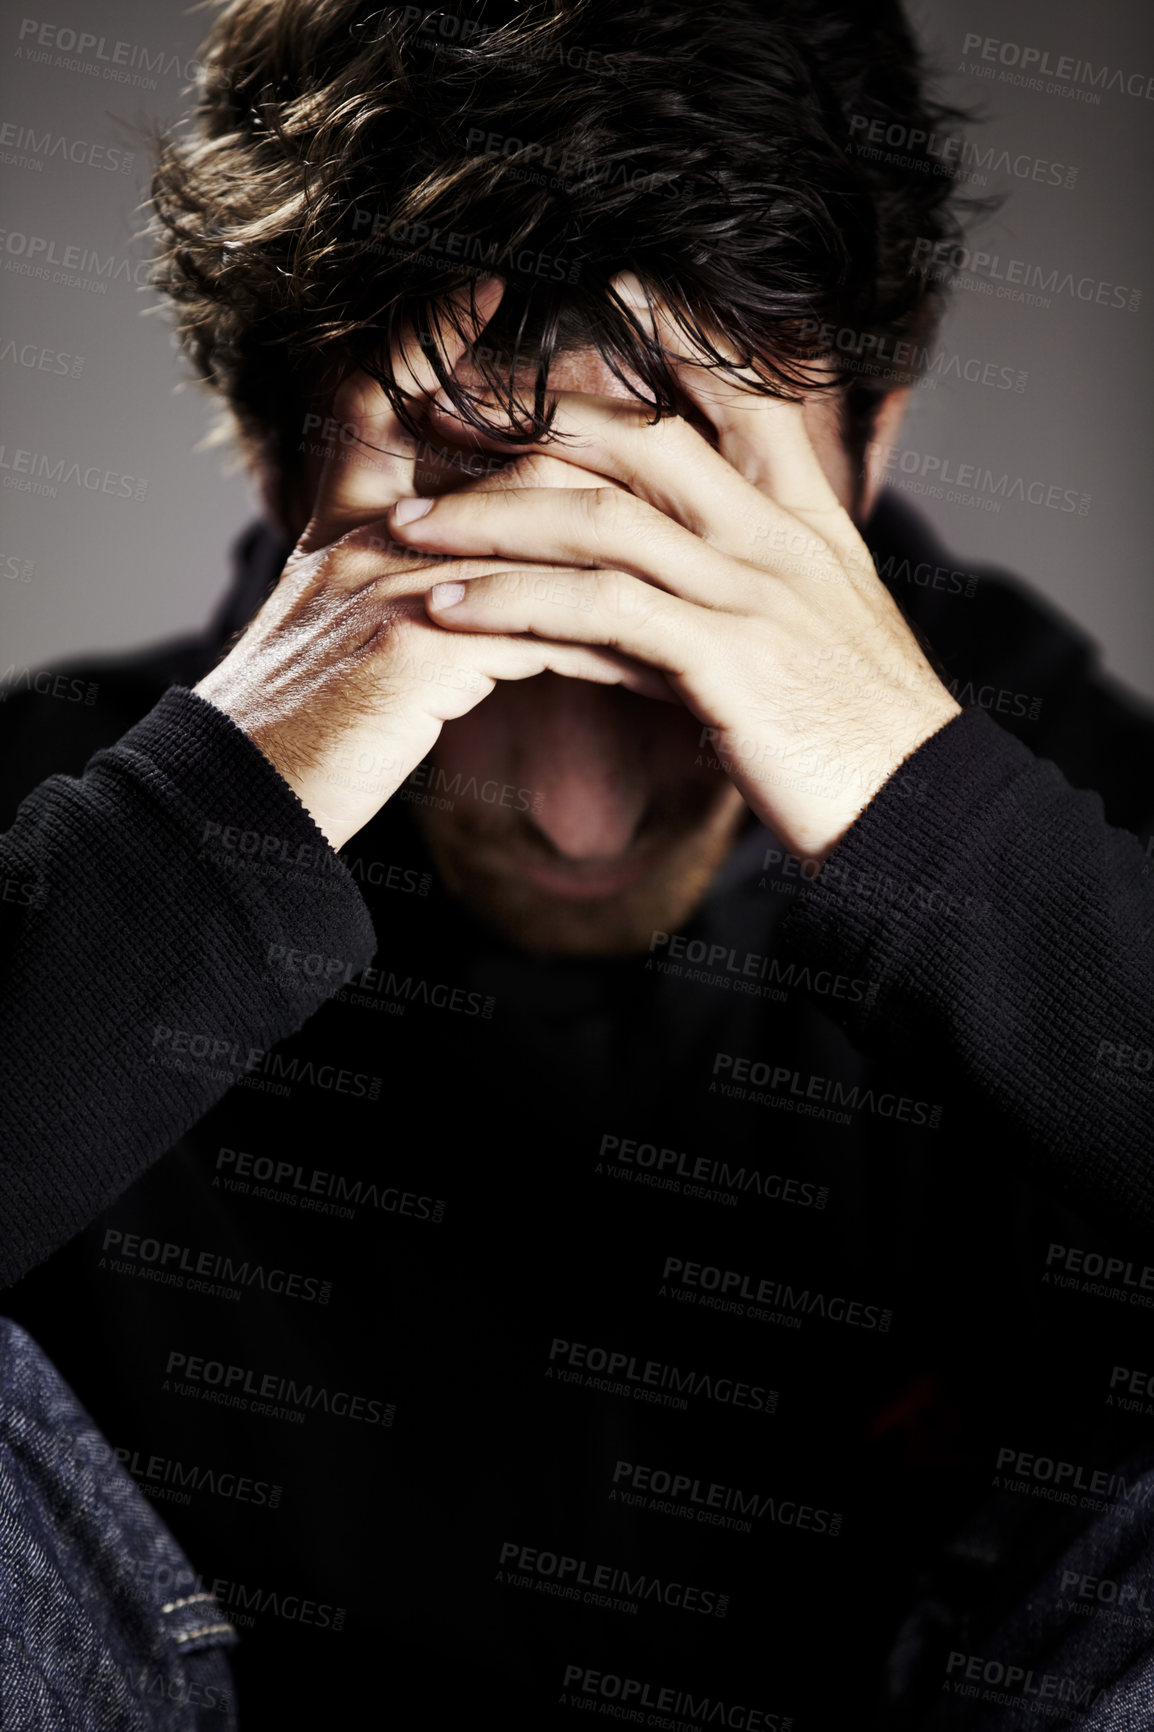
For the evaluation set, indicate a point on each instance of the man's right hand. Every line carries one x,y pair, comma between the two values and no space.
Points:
341,678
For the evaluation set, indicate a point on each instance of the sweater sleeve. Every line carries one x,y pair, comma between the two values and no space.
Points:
1005,928
143,908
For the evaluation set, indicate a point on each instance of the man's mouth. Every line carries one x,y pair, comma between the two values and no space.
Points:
566,879
586,880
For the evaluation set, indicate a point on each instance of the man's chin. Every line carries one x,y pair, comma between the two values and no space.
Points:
548,910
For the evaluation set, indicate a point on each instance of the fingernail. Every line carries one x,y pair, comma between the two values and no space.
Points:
446,594
405,510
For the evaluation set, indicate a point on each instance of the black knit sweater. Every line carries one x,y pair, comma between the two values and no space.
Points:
454,1248
999,916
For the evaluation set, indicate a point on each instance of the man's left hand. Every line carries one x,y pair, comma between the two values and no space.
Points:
735,571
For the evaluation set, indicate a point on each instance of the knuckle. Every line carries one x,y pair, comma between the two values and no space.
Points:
617,596
541,470
304,566
633,417
607,509
393,627
501,589
535,470
398,621
367,538
673,431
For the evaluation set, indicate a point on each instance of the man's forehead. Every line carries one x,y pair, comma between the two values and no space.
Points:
587,371
582,370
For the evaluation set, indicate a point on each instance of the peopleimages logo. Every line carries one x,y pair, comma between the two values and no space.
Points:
964,483
1070,1482
437,780
828,1092
1010,1683
950,153
548,165
177,1262
318,1191
943,578
877,355
1105,1591
41,146
731,1290
724,959
673,1169
1092,1272
607,1583
716,1504
242,1602
1034,64
47,685
256,1392
1021,280
270,1072
664,1699
160,1685
377,988
76,263
162,1477
38,472
650,1379
45,43
418,241
39,358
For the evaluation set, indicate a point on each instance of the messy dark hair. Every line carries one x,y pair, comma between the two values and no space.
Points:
346,165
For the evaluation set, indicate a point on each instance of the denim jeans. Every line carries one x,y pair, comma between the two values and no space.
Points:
103,1625
1041,1616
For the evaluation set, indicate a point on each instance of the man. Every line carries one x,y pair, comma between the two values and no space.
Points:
626,1217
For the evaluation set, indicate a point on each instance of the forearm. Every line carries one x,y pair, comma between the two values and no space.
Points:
140,977
1002,923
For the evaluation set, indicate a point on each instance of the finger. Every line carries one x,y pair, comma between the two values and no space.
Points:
370,558
764,438
370,458
667,463
599,526
610,610
536,470
445,660
525,657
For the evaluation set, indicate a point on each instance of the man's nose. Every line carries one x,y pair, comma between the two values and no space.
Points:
580,751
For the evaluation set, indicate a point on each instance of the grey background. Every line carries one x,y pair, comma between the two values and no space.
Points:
91,570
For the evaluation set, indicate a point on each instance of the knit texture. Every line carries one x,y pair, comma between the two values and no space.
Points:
145,902
1005,925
